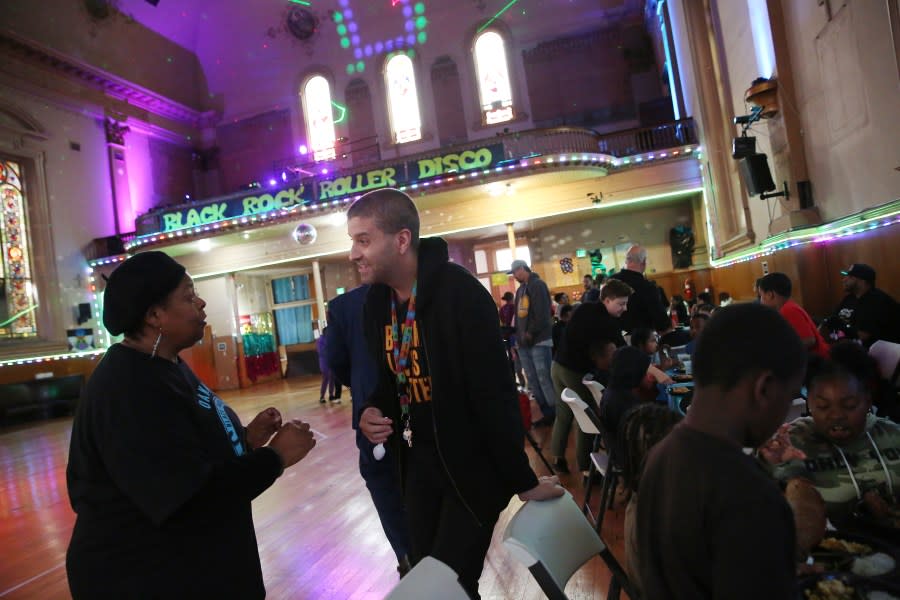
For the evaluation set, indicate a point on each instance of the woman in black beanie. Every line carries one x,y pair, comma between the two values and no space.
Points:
161,472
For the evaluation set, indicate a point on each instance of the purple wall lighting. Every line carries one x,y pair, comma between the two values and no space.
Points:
413,26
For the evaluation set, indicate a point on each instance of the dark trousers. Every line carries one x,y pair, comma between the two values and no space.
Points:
383,484
439,523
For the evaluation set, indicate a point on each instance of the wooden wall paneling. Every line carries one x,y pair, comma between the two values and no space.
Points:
60,368
878,248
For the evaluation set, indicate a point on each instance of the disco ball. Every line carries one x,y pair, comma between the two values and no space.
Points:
304,234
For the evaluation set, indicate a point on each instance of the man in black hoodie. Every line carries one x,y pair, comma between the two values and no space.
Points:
444,387
645,307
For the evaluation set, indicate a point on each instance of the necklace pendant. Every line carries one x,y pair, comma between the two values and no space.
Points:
407,436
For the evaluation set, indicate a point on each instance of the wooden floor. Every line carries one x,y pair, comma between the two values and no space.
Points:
319,536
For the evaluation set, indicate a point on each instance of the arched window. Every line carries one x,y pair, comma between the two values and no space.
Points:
403,101
494,89
316,97
17,293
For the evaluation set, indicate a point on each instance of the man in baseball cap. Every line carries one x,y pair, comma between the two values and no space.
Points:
874,313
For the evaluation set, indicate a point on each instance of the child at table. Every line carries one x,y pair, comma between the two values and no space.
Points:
710,522
601,353
629,367
647,342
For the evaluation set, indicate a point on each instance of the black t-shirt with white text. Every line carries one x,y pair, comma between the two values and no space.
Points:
418,378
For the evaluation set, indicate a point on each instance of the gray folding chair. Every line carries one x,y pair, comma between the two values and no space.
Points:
554,540
431,579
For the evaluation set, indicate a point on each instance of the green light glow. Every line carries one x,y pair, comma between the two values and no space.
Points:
342,30
419,8
422,37
343,112
338,17
301,2
360,66
351,69
421,22
496,16
17,315
345,42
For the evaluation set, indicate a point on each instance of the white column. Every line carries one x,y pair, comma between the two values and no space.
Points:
320,295
511,238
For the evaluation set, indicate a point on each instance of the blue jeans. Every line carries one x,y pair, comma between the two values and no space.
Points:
536,362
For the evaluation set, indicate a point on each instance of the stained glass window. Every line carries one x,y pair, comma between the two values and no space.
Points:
403,101
17,292
494,89
319,117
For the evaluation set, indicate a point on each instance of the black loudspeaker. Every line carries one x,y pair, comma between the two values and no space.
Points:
84,313
755,172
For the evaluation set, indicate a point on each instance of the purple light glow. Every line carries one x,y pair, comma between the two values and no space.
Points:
324,171
399,41
357,52
411,39
389,45
368,50
303,149
284,175
352,27
344,3
379,47
348,14
273,182
355,40
407,11
409,26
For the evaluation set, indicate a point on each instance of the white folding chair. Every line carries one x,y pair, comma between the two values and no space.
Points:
589,423
887,355
432,579
594,387
554,540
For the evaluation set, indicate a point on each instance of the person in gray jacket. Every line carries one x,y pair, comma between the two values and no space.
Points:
534,330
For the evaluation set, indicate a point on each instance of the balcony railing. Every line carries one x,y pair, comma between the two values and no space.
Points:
648,139
358,163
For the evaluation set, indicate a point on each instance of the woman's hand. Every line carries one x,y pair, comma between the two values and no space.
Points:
262,427
779,449
293,442
547,488
375,426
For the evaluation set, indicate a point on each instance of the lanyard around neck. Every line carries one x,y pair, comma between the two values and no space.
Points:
887,472
402,340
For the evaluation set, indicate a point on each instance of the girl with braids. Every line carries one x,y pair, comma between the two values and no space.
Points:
640,429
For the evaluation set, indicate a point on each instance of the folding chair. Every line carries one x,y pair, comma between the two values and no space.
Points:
554,540
432,579
594,387
590,424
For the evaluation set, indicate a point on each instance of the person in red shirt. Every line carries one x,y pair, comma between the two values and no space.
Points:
775,292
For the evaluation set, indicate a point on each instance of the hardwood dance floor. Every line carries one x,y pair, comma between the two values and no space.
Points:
319,536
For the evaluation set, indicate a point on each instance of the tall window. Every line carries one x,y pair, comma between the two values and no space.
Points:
494,89
17,293
403,101
319,117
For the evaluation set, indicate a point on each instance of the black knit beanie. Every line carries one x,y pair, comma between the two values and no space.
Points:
137,284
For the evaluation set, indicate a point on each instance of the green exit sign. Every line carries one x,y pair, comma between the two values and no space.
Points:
580,253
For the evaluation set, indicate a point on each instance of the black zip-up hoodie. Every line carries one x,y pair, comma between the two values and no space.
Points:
476,422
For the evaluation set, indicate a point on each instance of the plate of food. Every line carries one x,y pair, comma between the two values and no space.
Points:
860,555
846,587
680,377
679,390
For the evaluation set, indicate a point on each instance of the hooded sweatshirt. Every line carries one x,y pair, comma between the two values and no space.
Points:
832,469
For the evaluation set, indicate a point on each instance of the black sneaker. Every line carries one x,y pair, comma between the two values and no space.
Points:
561,466
321,400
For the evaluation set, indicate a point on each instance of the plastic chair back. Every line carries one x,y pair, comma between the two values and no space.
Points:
579,407
432,579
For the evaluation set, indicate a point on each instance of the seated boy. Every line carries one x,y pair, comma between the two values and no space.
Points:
710,522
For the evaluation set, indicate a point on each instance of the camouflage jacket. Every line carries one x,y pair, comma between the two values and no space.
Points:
828,471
